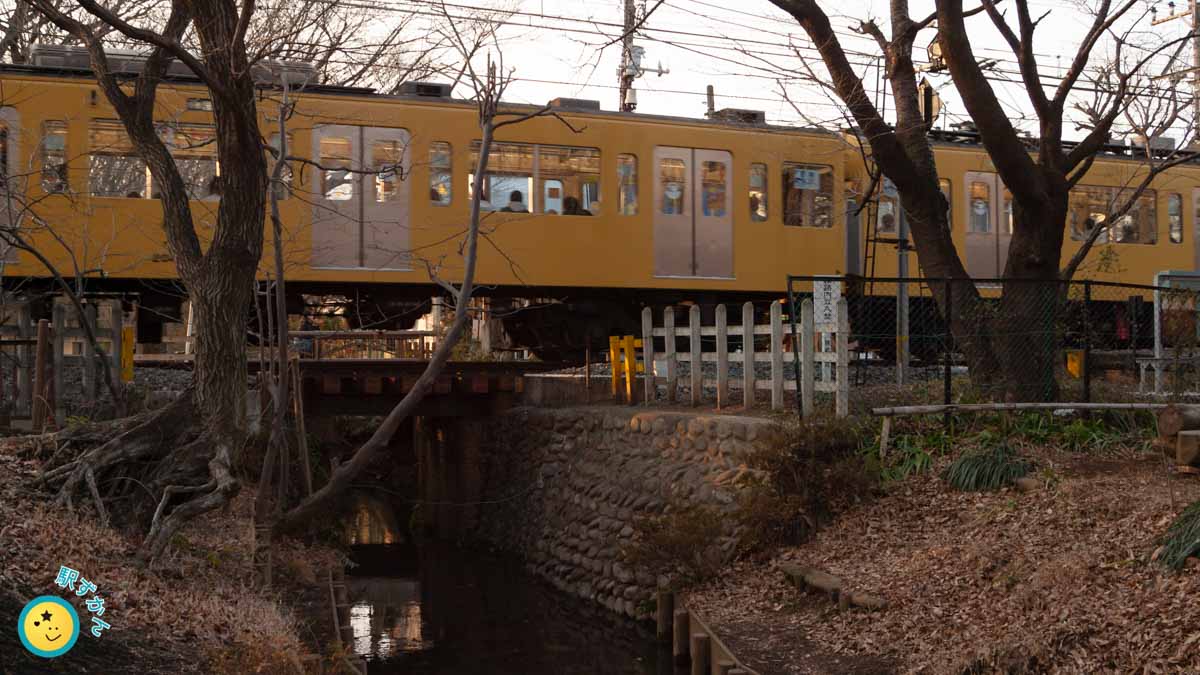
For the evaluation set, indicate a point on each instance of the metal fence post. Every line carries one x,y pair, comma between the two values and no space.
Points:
1087,341
946,339
793,310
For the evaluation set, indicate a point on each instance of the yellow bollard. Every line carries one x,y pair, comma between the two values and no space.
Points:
630,367
128,338
614,361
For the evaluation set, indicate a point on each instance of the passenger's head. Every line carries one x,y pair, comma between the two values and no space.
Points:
516,196
570,205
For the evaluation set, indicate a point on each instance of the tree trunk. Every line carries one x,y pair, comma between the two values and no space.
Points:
220,304
1026,326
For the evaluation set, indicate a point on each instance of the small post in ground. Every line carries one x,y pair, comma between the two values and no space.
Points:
665,602
701,654
681,647
41,373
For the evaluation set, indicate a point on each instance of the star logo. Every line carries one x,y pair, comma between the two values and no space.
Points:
45,616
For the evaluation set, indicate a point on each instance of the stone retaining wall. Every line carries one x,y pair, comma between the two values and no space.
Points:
564,487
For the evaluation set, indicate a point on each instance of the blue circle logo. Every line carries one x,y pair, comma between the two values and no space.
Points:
49,626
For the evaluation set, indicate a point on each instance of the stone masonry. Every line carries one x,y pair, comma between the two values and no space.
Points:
563,488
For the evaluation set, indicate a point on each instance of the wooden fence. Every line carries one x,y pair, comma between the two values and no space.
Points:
823,349
37,353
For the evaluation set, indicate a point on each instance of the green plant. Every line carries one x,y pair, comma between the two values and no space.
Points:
681,543
987,469
1034,427
1182,539
908,457
1086,435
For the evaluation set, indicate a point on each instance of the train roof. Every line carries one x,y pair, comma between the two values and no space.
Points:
189,79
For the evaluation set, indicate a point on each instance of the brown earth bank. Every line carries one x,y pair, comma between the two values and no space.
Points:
193,610
1057,580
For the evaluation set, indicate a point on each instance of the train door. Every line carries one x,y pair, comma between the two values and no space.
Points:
336,238
693,213
1196,229
360,219
10,163
385,199
989,225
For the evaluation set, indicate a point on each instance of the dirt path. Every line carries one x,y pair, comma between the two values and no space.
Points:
1057,580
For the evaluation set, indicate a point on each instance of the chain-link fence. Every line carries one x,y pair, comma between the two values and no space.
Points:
1013,340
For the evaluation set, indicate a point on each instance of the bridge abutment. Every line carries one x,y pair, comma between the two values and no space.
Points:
565,488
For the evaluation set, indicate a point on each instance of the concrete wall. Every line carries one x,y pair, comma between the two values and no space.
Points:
563,487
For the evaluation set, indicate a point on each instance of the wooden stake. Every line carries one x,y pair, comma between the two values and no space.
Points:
681,646
666,609
701,654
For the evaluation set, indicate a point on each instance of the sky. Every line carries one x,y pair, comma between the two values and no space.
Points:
746,50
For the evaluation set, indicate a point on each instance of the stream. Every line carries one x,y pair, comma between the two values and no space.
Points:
434,608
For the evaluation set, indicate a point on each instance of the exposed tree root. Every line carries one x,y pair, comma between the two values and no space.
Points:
162,463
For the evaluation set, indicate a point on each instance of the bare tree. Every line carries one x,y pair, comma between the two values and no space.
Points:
489,87
1040,181
218,278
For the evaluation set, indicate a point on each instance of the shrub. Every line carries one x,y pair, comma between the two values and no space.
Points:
681,543
988,469
1182,539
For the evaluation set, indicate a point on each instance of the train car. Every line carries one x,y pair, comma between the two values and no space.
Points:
600,212
1159,233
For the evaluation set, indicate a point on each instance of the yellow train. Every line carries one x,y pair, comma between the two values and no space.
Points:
601,211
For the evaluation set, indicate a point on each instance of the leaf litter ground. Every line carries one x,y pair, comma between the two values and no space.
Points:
1057,580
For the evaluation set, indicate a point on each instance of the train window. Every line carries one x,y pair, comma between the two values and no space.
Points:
194,147
570,180
627,194
712,186
944,186
3,149
114,169
673,174
54,156
440,174
1088,207
1008,212
283,189
509,181
807,195
385,162
1137,226
758,192
980,217
1175,217
337,182
885,215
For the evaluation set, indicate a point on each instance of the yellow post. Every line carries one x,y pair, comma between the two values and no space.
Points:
128,338
614,360
630,367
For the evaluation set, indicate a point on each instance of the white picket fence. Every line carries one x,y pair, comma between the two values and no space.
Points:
823,350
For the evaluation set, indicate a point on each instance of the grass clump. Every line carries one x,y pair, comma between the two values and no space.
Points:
679,544
988,469
1182,539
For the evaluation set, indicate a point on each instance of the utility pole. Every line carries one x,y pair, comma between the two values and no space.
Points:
628,70
1194,71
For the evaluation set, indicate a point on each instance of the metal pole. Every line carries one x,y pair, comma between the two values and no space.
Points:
902,349
1087,341
946,339
625,73
1195,67
793,310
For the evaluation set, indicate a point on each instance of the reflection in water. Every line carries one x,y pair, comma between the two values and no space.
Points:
443,610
